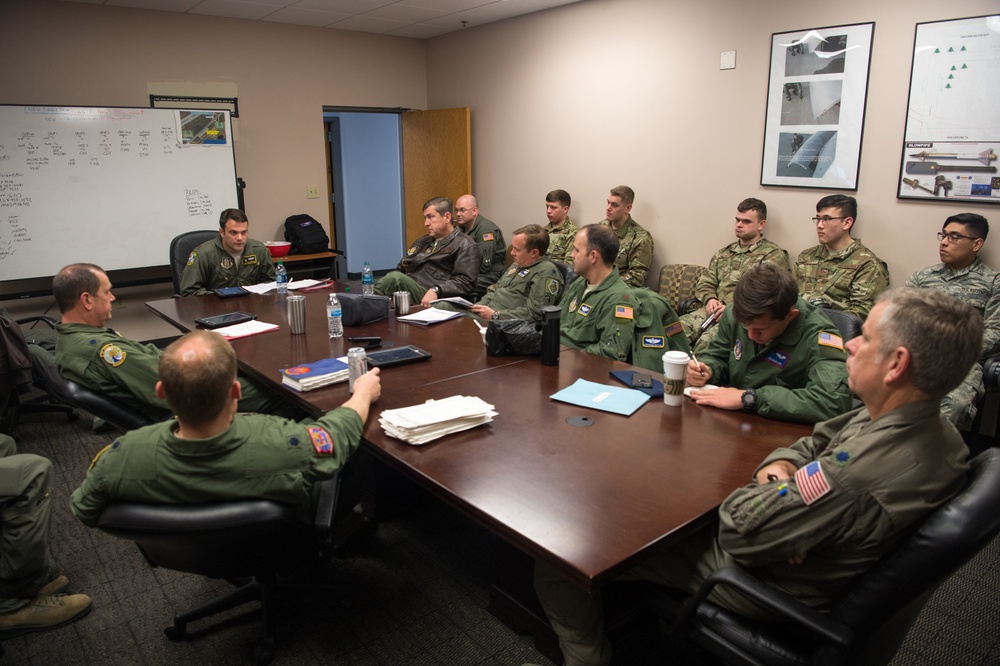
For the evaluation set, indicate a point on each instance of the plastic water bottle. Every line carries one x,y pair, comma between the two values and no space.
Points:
367,280
281,277
334,317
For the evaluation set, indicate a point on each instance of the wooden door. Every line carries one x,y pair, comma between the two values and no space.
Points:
437,161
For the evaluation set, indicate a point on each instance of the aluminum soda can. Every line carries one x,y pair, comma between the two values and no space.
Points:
357,365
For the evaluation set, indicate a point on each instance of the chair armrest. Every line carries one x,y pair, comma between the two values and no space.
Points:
42,318
326,510
687,305
789,608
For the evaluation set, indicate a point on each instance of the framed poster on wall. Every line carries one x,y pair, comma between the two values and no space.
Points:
952,131
816,94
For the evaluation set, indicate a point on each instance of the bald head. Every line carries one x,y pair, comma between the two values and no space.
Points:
466,211
197,372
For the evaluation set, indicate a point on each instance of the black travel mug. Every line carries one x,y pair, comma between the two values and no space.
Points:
550,334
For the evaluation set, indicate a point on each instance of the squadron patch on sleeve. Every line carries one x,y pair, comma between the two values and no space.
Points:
738,350
112,355
321,441
191,257
551,286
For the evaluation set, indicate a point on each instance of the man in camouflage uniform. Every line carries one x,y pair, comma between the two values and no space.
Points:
840,272
531,282
211,452
561,231
487,237
716,285
825,509
598,309
231,260
635,244
963,274
775,354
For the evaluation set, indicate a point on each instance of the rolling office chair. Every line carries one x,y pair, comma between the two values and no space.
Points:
848,323
180,250
68,392
254,539
567,272
870,620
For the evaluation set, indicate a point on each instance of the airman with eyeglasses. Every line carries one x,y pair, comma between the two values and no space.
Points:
963,274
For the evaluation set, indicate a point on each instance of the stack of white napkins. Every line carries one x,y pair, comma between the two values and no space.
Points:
424,423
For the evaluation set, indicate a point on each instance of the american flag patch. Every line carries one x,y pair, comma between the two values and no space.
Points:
623,312
811,482
321,441
673,329
831,340
487,237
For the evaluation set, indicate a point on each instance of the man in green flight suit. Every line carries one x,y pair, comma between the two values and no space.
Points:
560,229
598,309
487,236
775,354
716,285
211,452
531,282
825,509
103,360
231,260
31,589
840,272
635,244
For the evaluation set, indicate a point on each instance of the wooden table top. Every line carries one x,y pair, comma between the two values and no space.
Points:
590,501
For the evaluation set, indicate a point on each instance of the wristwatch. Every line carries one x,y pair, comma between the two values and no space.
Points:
495,315
436,289
749,400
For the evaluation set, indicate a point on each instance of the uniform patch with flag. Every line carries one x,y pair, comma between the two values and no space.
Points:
623,312
831,340
811,482
673,329
487,237
321,441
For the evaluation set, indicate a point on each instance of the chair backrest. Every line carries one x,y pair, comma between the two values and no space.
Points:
677,282
229,539
180,250
567,272
848,323
70,393
882,604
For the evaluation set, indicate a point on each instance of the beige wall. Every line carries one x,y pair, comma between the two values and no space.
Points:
608,92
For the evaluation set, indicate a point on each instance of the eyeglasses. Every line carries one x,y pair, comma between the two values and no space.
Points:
826,218
953,237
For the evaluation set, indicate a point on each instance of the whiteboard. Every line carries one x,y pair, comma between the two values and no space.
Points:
109,186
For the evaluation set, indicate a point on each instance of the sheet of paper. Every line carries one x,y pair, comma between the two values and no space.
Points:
246,328
429,316
455,300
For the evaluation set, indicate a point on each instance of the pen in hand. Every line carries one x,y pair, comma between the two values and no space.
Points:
697,362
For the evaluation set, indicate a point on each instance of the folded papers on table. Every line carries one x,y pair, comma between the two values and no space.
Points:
424,423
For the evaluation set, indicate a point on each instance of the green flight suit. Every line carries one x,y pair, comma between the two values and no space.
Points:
561,241
209,267
719,280
848,280
26,563
601,322
657,330
127,371
521,292
635,252
799,376
488,237
258,456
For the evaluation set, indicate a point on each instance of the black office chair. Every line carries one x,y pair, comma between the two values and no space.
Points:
180,250
567,272
261,540
68,392
848,323
870,620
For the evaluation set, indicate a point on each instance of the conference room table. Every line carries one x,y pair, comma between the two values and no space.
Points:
590,500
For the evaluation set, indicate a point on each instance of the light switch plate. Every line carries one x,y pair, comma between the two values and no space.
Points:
728,60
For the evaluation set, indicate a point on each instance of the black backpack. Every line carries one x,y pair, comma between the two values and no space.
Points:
306,235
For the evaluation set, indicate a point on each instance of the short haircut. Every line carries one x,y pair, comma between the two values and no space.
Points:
943,335
197,371
848,206
755,205
624,192
764,290
234,214
976,224
535,238
441,204
73,281
602,238
560,197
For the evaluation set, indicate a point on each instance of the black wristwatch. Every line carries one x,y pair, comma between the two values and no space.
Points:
436,289
749,400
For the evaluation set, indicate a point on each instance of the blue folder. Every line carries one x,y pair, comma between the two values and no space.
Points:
605,397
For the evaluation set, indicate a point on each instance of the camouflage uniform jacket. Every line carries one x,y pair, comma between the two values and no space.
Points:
730,263
848,280
635,252
521,292
602,322
490,240
561,241
209,267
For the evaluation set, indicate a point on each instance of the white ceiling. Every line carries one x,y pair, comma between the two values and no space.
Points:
419,19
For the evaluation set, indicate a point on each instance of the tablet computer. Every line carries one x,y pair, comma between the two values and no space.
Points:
386,358
228,319
229,292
